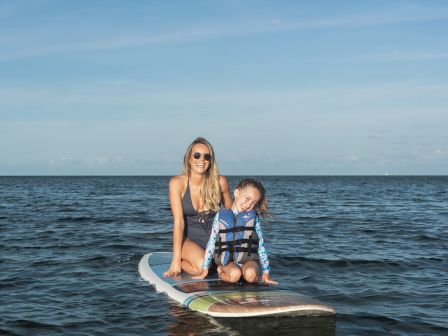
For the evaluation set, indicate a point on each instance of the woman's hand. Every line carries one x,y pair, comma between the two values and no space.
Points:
265,278
175,269
201,275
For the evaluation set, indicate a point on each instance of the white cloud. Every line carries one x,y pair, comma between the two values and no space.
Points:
440,153
351,158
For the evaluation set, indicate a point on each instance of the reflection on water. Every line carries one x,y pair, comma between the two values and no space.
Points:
298,326
187,322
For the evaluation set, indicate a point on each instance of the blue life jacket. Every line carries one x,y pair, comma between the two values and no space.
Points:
237,240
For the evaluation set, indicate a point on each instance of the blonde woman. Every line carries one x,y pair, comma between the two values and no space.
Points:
195,196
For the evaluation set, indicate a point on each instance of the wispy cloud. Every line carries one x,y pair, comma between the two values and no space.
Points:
440,153
25,49
351,158
402,56
131,41
134,95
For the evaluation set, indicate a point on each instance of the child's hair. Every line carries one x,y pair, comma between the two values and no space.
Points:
262,205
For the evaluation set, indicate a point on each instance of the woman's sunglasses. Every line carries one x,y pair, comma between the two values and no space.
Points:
207,157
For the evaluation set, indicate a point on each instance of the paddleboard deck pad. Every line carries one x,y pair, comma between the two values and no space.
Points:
214,297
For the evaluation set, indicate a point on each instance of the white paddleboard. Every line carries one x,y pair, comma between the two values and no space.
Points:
214,297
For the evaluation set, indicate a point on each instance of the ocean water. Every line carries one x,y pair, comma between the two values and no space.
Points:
375,248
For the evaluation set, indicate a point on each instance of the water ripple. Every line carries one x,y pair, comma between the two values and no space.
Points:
375,248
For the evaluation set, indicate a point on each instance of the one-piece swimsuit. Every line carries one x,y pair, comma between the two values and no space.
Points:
198,225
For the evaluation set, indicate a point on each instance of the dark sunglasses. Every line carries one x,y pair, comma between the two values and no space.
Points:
197,156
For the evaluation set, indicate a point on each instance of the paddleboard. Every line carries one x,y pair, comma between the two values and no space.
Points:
216,298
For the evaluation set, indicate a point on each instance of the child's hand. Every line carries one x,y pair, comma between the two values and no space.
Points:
265,278
201,275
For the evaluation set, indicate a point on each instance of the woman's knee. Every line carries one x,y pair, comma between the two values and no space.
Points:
191,267
192,257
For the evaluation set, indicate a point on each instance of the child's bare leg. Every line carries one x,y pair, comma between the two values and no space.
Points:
230,272
250,271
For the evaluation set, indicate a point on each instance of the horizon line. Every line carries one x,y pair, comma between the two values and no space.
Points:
238,175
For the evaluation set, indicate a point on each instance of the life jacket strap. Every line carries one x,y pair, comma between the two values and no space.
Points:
236,229
239,249
237,242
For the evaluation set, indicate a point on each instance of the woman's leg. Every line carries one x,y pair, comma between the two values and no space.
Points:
192,257
250,271
230,272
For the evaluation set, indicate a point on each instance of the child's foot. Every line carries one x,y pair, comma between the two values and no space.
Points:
219,270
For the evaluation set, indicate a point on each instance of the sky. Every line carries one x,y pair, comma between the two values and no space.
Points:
278,87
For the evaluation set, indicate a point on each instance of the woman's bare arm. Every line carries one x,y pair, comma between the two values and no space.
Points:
175,193
225,192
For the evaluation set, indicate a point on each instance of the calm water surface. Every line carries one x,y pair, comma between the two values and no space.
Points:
375,248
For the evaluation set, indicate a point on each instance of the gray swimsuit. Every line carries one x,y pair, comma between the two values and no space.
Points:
198,225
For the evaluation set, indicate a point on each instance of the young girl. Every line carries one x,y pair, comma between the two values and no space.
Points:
236,242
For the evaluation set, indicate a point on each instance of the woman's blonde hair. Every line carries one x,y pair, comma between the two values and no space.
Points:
262,205
211,192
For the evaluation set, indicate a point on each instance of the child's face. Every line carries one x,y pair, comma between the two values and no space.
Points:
246,199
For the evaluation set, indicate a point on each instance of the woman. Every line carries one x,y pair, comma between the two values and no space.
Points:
195,197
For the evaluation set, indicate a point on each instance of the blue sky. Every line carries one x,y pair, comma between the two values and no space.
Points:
278,87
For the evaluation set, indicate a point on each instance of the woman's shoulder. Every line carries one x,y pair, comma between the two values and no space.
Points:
223,181
178,181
